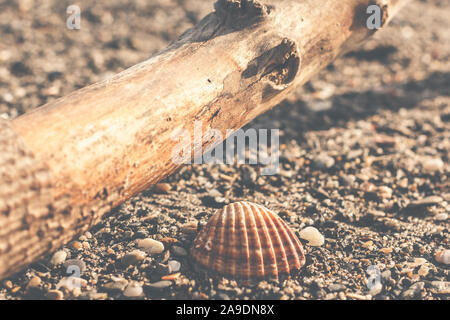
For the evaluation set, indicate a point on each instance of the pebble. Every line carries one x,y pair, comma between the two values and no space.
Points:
34,282
174,266
428,201
440,287
132,258
323,161
179,251
163,187
413,290
376,213
335,287
173,276
8,284
443,256
77,245
384,192
158,286
150,246
133,290
58,257
376,289
386,250
358,296
441,217
432,165
116,286
55,295
313,236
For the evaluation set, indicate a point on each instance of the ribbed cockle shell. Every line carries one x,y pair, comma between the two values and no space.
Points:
247,241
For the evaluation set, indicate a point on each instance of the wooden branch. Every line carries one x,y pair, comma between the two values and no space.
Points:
67,163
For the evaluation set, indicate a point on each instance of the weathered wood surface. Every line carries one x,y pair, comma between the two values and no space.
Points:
93,149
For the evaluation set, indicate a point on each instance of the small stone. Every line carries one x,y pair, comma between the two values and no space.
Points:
440,287
86,245
179,251
133,290
313,236
34,282
162,187
116,286
335,287
443,256
376,213
94,295
413,290
376,289
55,295
76,245
385,192
423,270
132,258
58,257
386,275
403,183
428,201
386,250
432,165
441,217
8,284
173,276
72,264
323,161
174,265
158,286
150,246
358,296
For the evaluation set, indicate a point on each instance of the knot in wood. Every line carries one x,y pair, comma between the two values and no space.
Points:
239,13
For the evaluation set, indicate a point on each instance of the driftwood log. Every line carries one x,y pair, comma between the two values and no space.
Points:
64,165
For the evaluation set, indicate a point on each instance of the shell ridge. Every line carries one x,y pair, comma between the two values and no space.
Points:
291,253
245,252
268,239
220,245
233,239
279,244
256,259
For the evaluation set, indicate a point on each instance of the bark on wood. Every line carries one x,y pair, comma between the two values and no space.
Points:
85,153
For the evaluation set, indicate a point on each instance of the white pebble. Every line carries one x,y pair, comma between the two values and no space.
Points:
59,257
432,165
174,266
313,236
441,217
150,246
133,290
443,256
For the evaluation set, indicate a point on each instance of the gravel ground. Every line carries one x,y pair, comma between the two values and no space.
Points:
364,159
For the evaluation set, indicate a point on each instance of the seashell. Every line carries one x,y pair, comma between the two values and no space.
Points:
247,241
